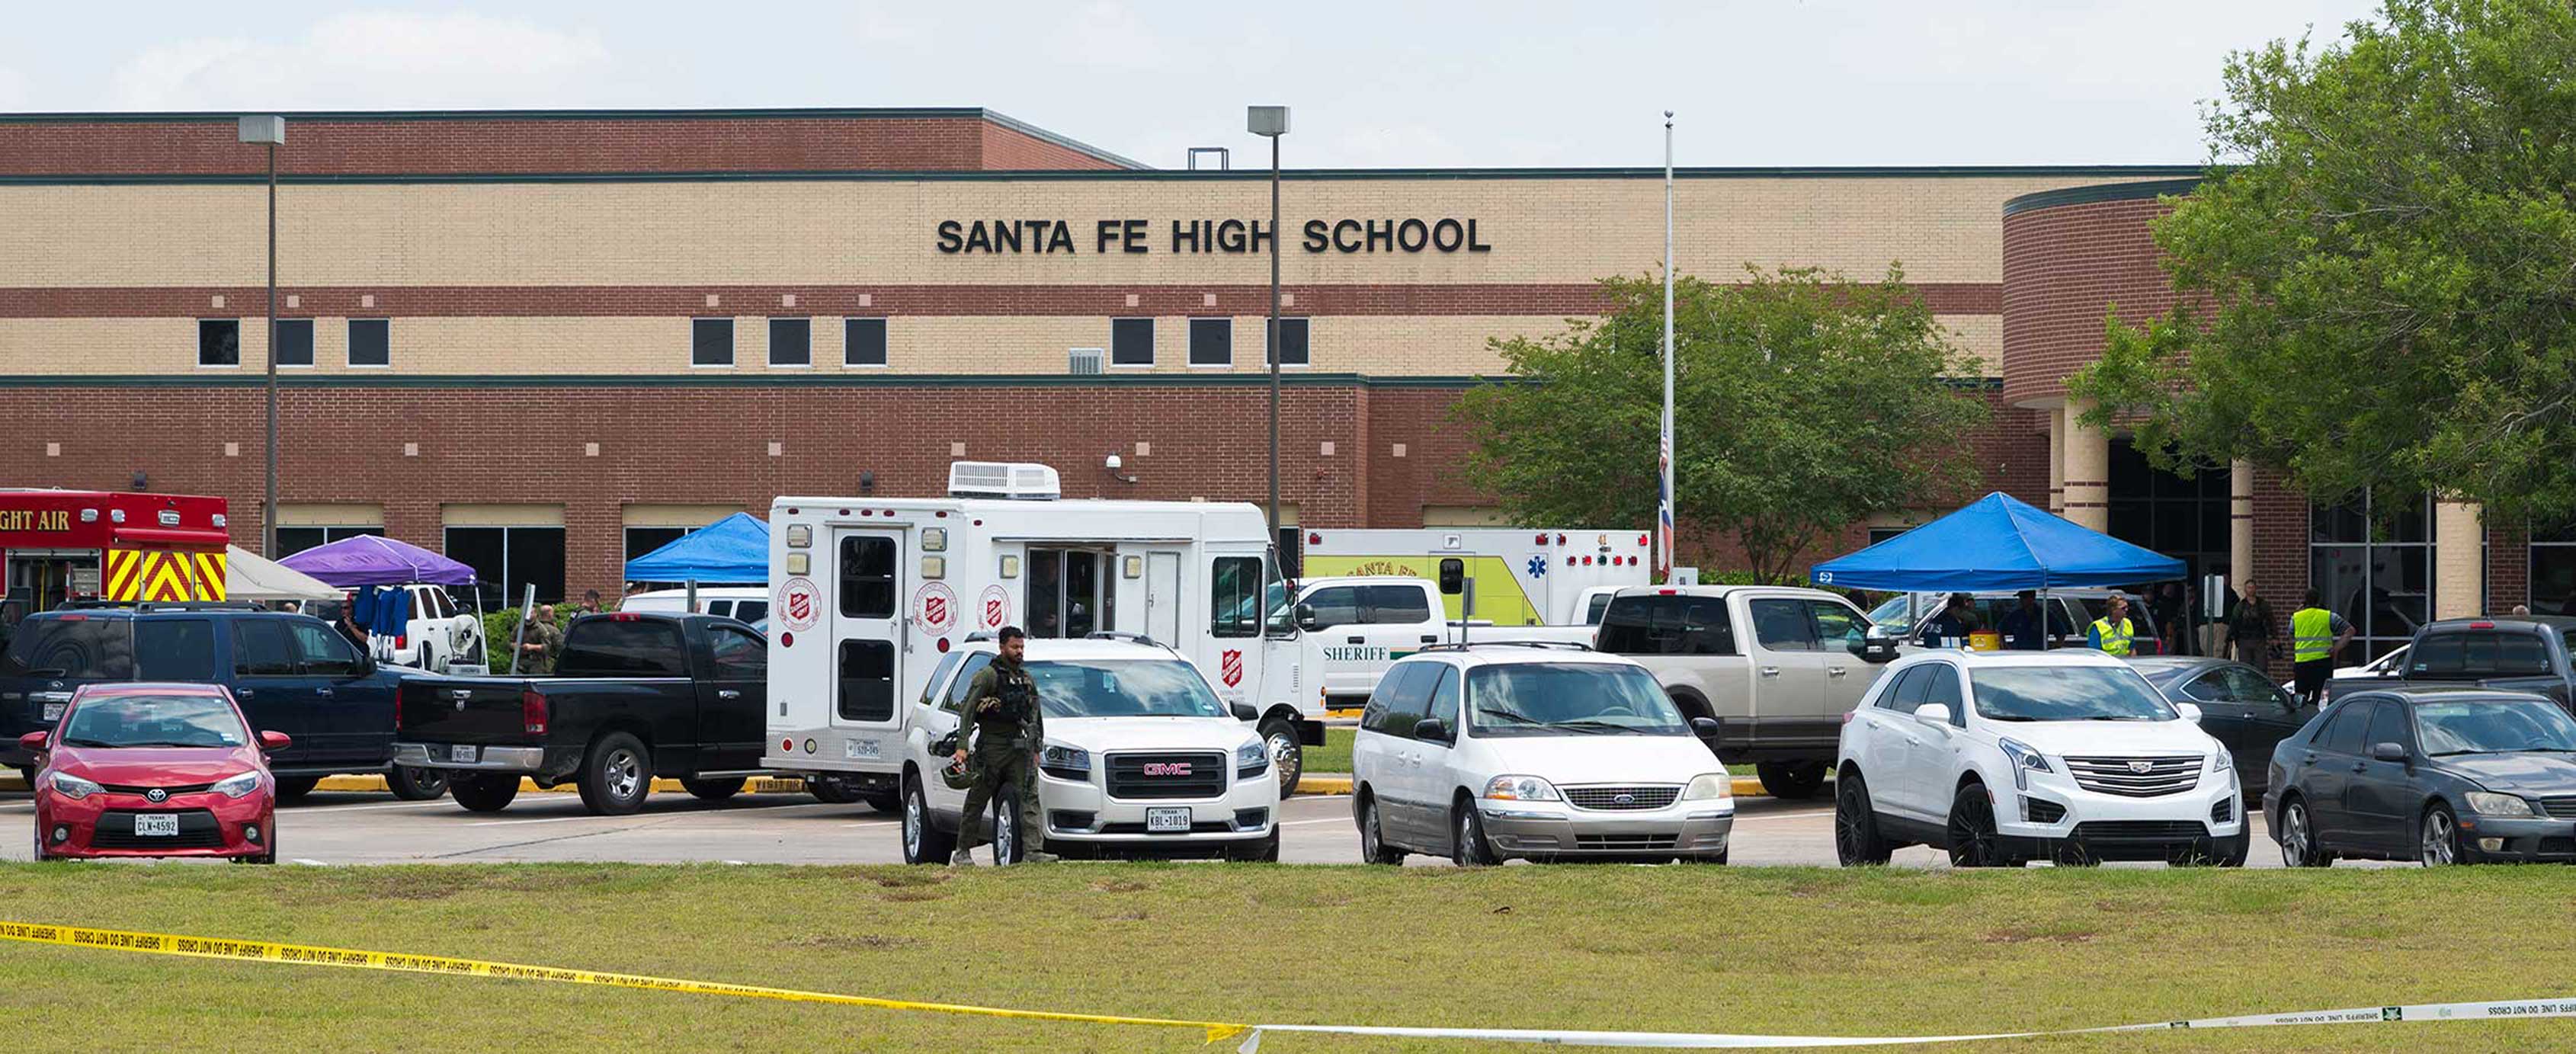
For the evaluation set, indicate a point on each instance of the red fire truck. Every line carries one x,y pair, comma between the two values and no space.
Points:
63,545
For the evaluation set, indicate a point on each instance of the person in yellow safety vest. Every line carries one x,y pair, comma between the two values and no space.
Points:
2112,633
2316,634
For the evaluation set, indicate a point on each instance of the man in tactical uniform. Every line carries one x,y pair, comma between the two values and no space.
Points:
1010,730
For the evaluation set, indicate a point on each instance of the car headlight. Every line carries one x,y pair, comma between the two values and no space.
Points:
2025,760
2487,804
238,786
2222,761
1063,762
1521,788
74,787
1717,785
1251,759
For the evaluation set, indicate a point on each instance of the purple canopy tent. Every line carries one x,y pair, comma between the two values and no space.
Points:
369,560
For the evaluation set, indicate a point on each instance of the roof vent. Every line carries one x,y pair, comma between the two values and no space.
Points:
1086,360
996,479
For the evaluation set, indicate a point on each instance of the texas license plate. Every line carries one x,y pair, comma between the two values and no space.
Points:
461,754
160,826
54,711
861,750
1167,821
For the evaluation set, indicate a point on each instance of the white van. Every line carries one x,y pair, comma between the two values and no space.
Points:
867,594
742,603
1532,577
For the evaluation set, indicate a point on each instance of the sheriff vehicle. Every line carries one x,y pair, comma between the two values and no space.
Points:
867,595
1523,577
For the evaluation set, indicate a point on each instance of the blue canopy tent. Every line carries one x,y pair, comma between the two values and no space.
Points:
1996,543
730,551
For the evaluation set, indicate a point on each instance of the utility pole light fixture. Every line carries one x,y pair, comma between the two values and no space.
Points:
271,132
1271,122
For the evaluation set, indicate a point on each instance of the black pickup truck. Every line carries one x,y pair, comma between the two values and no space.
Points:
636,695
2522,653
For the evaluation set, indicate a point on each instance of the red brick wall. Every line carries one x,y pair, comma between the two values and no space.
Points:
506,144
2063,267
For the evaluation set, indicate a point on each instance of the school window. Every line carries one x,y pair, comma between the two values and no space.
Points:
642,540
370,342
512,558
1291,344
710,342
1131,342
292,540
1211,342
219,342
295,342
791,342
863,342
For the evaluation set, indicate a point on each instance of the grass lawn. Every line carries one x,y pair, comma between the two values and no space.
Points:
1335,755
1748,950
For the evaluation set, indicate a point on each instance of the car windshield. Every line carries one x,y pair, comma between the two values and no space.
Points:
1892,615
1123,688
2067,693
2492,726
1569,699
154,721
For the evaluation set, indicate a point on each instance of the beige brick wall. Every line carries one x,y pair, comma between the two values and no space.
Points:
1945,229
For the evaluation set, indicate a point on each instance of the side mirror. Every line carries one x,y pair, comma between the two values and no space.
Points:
2387,752
1453,576
34,742
1245,712
1434,730
1306,619
1706,727
1876,647
272,742
2190,711
1935,713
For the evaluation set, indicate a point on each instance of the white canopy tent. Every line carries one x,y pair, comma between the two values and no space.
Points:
249,577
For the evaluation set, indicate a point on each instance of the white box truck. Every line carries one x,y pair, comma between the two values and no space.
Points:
1524,577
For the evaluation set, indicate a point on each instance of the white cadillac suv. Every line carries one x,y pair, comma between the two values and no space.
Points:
2001,758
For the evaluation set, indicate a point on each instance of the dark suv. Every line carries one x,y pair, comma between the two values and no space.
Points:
290,673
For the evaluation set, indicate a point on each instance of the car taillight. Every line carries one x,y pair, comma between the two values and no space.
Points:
532,711
401,641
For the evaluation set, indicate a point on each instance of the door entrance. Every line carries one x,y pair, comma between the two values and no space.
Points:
1163,597
868,627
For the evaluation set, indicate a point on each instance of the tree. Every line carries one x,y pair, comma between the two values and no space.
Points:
1803,404
2379,275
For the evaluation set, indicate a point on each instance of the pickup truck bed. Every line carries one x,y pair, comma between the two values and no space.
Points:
645,695
2524,654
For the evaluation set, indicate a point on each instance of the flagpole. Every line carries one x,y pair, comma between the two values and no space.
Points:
1664,514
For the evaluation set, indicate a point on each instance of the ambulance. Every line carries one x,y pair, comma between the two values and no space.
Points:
871,598
1524,577
60,546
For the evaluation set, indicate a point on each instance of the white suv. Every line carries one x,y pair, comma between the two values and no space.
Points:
1543,751
1141,757
2005,757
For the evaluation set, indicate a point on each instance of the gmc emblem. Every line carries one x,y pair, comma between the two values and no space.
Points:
1167,768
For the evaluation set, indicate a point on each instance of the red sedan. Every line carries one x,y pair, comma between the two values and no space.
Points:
155,770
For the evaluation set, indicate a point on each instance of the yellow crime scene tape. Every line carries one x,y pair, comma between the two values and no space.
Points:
1212,1031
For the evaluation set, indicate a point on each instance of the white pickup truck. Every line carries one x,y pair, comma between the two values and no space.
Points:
1355,627
1777,666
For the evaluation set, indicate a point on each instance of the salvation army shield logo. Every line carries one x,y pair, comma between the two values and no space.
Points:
994,607
799,604
1230,668
935,606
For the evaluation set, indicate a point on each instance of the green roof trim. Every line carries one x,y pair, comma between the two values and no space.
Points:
2050,199
1117,175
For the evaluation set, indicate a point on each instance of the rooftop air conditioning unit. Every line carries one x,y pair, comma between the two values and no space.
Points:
996,479
1086,360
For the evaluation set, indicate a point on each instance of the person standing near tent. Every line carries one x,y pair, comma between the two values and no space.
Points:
2023,627
2112,634
348,625
2316,634
2249,627
543,640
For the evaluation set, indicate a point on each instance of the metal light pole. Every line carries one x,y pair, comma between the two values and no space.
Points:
1272,123
270,131
1664,516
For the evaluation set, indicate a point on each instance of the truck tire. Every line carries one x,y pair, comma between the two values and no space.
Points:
1791,780
712,790
484,791
923,841
616,775
1287,754
416,784
294,788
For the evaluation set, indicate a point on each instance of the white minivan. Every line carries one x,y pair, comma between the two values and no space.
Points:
741,603
1544,751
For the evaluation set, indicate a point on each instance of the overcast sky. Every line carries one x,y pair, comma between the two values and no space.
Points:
1373,84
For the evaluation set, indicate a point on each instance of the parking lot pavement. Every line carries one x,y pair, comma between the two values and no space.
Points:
340,829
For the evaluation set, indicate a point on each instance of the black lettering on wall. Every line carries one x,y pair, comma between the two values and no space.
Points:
1229,236
1411,235
1348,245
1447,235
1315,236
1473,245
1381,235
1133,237
949,242
1185,236
1059,238
1006,233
